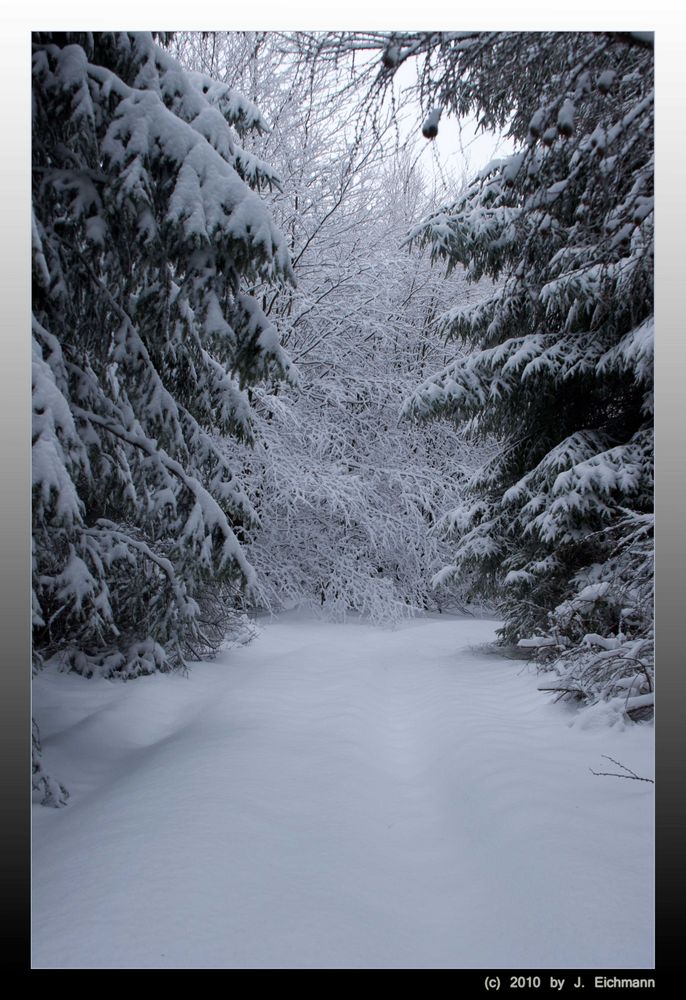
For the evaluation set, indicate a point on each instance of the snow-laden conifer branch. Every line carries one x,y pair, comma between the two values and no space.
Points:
561,361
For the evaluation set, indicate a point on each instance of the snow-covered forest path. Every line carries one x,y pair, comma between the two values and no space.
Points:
339,796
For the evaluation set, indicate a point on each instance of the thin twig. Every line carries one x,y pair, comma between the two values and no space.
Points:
631,775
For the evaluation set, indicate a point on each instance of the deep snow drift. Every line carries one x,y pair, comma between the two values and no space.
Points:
339,796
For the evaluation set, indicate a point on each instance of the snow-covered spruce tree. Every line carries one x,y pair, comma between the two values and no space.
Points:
145,232
561,364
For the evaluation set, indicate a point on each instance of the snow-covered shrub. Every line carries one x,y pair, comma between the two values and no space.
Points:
49,791
600,641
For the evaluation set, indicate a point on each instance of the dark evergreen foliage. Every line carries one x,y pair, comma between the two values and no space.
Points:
146,237
560,369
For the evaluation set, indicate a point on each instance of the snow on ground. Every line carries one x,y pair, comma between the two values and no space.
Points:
340,796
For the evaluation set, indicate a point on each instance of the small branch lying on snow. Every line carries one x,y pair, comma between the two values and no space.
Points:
612,774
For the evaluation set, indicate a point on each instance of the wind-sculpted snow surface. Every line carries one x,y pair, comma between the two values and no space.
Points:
338,796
